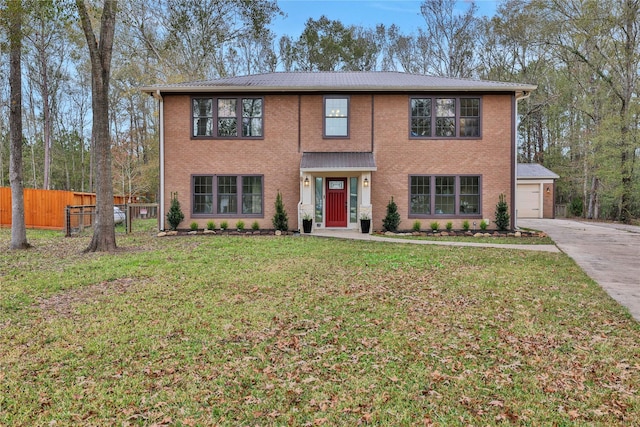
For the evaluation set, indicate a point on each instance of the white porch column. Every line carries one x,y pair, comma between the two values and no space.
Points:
365,191
306,195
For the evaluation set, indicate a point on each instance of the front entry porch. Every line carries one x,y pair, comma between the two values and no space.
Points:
335,189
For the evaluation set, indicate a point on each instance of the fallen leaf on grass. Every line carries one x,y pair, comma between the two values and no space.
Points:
497,403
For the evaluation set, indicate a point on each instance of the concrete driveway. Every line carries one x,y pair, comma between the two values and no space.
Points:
608,253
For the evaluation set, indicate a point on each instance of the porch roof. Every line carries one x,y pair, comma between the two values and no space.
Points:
336,161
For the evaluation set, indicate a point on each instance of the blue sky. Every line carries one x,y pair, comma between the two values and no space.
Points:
366,13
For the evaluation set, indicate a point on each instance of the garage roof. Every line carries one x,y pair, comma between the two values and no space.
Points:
535,171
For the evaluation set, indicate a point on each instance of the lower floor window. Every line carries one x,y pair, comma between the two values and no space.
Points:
447,195
227,195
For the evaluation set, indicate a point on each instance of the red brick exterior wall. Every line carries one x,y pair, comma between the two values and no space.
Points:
293,124
397,156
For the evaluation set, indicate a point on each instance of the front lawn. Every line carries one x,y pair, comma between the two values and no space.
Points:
261,331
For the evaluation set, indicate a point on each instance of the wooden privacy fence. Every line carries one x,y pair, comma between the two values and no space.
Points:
46,208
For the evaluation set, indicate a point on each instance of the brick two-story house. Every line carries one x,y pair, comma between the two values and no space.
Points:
337,145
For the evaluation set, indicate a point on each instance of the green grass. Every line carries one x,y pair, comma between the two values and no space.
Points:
218,330
471,239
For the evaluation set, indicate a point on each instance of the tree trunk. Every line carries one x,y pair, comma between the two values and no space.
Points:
46,109
18,227
104,237
592,211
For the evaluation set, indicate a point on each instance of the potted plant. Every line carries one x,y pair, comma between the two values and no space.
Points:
307,223
365,223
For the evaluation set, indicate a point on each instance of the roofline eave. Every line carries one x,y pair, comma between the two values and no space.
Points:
314,89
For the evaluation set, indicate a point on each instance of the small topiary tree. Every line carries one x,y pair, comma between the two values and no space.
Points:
392,220
280,219
175,215
502,213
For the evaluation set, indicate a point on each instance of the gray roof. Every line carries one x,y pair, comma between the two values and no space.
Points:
337,162
339,81
533,171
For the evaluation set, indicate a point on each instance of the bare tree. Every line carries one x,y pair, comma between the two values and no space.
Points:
18,227
450,36
100,51
44,66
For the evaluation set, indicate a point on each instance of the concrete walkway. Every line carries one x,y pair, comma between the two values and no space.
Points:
353,235
608,253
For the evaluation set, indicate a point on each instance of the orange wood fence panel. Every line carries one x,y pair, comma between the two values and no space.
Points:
45,208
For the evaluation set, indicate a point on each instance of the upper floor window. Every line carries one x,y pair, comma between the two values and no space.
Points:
202,117
223,120
336,116
444,117
447,195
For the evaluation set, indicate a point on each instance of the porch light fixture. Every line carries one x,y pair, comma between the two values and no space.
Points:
366,182
306,181
548,190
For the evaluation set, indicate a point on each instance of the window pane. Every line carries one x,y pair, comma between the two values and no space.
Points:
420,199
252,127
252,107
227,127
469,117
420,127
469,195
227,107
353,200
336,107
202,107
336,127
203,194
202,117
252,117
252,195
445,117
318,204
227,117
445,127
445,195
445,107
469,127
469,107
421,107
336,116
420,117
227,194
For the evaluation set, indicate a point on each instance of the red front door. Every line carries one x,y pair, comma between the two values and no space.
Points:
336,202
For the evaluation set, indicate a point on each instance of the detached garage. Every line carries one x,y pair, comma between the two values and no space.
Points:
535,193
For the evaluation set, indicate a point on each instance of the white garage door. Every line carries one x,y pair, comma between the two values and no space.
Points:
529,201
